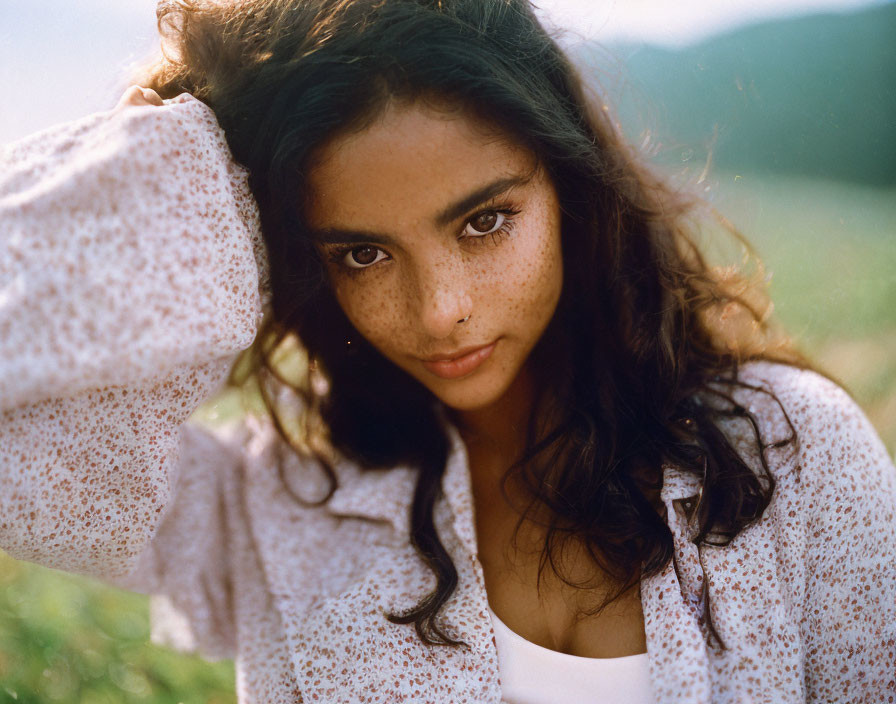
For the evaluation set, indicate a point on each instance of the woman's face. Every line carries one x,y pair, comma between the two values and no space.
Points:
442,243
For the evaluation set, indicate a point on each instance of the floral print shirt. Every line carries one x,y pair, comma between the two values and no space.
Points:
132,272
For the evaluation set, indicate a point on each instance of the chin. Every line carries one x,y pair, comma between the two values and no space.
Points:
471,393
467,402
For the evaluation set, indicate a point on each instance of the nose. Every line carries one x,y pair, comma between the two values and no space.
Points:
444,297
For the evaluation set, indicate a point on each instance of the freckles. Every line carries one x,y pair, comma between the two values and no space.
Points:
371,314
538,273
375,311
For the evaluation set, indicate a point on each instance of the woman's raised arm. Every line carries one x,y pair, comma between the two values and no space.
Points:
131,272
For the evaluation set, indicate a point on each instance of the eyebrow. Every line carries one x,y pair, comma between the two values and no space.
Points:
331,235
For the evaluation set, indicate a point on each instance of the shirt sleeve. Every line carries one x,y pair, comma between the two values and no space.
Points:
848,506
131,274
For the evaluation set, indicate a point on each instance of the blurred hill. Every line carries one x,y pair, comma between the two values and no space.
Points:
812,95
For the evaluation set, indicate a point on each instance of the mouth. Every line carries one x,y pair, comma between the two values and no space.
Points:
460,363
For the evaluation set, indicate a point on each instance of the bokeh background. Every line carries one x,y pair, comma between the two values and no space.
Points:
781,113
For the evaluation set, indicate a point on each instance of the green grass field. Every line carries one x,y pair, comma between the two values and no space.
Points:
831,249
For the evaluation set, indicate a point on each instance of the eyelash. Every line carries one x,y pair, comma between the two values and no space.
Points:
338,254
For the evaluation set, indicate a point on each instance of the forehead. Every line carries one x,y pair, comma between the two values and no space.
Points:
409,163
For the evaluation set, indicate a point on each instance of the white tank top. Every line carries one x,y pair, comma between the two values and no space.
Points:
531,674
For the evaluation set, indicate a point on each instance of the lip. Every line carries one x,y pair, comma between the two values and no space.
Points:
459,363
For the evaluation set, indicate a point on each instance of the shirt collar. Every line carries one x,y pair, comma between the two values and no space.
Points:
679,484
387,494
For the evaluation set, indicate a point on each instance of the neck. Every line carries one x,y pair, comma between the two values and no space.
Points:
495,435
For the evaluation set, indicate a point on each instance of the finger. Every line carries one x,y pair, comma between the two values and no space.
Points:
137,96
152,97
132,96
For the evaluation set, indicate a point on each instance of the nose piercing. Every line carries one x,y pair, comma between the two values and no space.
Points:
464,320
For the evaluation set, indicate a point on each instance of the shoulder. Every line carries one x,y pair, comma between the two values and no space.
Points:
814,427
804,394
778,393
812,438
829,426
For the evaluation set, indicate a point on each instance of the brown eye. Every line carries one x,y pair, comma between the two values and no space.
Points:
363,256
484,223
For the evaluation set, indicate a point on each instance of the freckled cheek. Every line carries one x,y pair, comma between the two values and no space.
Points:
546,271
527,276
375,310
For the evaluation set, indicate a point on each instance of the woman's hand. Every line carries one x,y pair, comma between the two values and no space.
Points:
137,96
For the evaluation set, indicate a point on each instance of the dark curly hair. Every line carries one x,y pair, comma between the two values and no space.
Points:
645,329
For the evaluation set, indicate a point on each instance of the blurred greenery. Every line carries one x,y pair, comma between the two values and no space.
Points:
830,249
65,638
829,245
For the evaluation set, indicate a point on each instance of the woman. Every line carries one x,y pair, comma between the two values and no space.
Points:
538,448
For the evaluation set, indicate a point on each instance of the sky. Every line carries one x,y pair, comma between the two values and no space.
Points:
62,59
676,23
